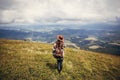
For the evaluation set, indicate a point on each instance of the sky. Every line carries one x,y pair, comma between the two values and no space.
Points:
59,11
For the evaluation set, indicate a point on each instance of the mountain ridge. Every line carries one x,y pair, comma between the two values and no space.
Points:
97,40
31,60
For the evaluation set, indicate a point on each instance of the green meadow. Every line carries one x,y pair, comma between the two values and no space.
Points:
21,60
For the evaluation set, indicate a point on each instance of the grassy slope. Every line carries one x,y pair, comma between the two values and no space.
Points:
21,60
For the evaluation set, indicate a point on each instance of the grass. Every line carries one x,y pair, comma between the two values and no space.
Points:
20,60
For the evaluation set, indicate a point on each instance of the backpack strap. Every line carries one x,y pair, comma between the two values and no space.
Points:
60,44
59,47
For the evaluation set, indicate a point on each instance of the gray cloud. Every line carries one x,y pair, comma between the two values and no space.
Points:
61,11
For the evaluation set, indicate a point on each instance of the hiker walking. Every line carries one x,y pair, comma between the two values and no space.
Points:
58,47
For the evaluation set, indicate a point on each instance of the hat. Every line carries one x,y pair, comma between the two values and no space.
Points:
60,37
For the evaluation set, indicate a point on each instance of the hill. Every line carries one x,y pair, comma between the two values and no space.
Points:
20,60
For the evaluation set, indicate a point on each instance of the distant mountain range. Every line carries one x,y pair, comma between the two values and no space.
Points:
94,37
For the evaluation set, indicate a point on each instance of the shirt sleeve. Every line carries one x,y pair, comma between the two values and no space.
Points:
54,45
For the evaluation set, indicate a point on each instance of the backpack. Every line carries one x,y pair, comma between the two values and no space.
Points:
59,48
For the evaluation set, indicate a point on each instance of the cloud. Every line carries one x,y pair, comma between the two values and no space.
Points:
61,11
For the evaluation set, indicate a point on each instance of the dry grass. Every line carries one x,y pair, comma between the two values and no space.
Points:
20,60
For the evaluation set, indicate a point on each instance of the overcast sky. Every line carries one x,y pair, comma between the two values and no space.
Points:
59,11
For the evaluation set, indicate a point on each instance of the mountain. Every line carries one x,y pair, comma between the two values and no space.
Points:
21,60
97,38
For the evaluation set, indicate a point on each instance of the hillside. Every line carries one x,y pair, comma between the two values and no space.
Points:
20,60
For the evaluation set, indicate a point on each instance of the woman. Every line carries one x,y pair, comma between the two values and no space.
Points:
58,47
